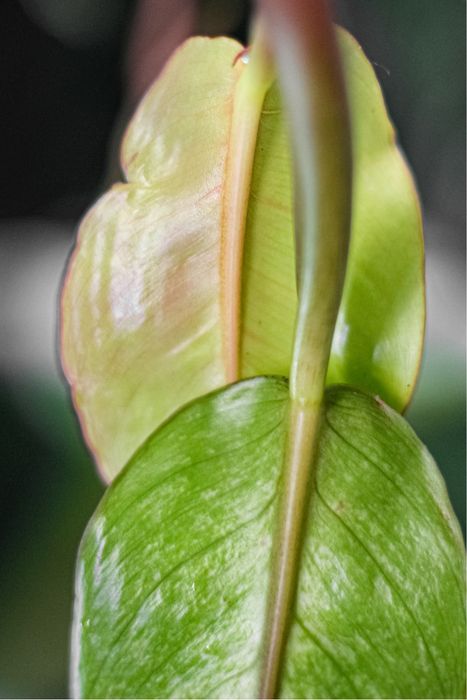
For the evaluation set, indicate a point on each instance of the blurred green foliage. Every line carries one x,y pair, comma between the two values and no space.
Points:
48,490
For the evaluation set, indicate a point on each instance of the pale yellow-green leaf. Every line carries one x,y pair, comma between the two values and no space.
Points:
143,317
141,330
379,334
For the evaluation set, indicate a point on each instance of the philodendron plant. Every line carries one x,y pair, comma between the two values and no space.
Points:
242,325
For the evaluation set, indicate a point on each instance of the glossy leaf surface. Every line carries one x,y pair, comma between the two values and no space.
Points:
379,334
143,326
174,567
140,310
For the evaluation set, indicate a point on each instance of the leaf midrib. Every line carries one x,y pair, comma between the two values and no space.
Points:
251,87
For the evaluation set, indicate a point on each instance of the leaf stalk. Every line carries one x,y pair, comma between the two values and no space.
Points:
303,42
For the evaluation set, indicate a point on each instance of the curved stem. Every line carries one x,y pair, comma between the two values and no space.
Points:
251,88
304,45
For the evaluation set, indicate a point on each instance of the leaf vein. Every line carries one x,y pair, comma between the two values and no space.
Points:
166,576
391,584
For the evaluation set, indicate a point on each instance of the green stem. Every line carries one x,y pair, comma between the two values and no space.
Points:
303,42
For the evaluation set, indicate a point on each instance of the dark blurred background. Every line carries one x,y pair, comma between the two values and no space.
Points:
71,72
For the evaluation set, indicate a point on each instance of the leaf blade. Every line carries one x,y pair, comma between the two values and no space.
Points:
217,653
378,340
141,320
227,499
378,588
379,350
174,205
133,316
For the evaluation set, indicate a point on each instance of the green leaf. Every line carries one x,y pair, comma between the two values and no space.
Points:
175,566
379,334
162,303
